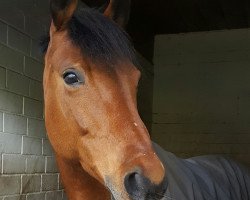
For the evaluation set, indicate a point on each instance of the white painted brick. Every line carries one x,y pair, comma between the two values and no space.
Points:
10,143
2,78
36,51
17,83
11,59
47,148
50,182
35,164
31,183
3,33
11,102
33,108
15,197
41,6
33,69
0,163
1,121
36,196
16,19
19,41
32,146
13,164
15,124
64,196
61,186
10,185
36,90
29,8
36,128
54,195
34,28
51,165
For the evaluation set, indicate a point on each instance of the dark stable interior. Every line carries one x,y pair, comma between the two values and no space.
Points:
151,17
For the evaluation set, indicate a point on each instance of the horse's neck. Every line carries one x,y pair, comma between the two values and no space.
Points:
78,184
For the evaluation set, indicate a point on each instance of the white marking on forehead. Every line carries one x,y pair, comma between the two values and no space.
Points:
135,124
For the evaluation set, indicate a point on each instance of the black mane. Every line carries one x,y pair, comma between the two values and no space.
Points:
98,37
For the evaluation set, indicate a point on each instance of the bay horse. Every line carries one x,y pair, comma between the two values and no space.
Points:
102,147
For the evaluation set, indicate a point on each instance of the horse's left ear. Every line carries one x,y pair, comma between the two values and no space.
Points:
62,11
118,10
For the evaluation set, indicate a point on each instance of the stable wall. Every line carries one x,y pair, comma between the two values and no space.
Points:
201,101
27,165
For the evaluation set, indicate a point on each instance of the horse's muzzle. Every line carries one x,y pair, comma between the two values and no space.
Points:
141,188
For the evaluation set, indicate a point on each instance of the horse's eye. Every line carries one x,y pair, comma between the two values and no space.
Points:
72,78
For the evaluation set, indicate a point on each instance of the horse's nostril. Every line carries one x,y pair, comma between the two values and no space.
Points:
140,187
130,182
134,184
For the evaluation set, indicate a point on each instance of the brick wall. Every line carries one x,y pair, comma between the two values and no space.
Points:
202,93
27,165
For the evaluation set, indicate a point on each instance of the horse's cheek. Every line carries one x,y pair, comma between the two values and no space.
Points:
60,136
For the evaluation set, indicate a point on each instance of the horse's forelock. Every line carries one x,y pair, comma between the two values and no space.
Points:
98,37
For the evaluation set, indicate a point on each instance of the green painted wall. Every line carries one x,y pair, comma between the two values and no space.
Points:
201,102
145,91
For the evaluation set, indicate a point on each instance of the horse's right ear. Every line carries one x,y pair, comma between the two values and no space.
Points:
61,12
118,11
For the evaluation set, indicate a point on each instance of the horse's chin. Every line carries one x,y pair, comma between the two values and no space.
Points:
112,197
116,194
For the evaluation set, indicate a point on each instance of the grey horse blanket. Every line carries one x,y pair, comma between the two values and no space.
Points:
204,178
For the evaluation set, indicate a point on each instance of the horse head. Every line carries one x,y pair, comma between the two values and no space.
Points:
90,85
